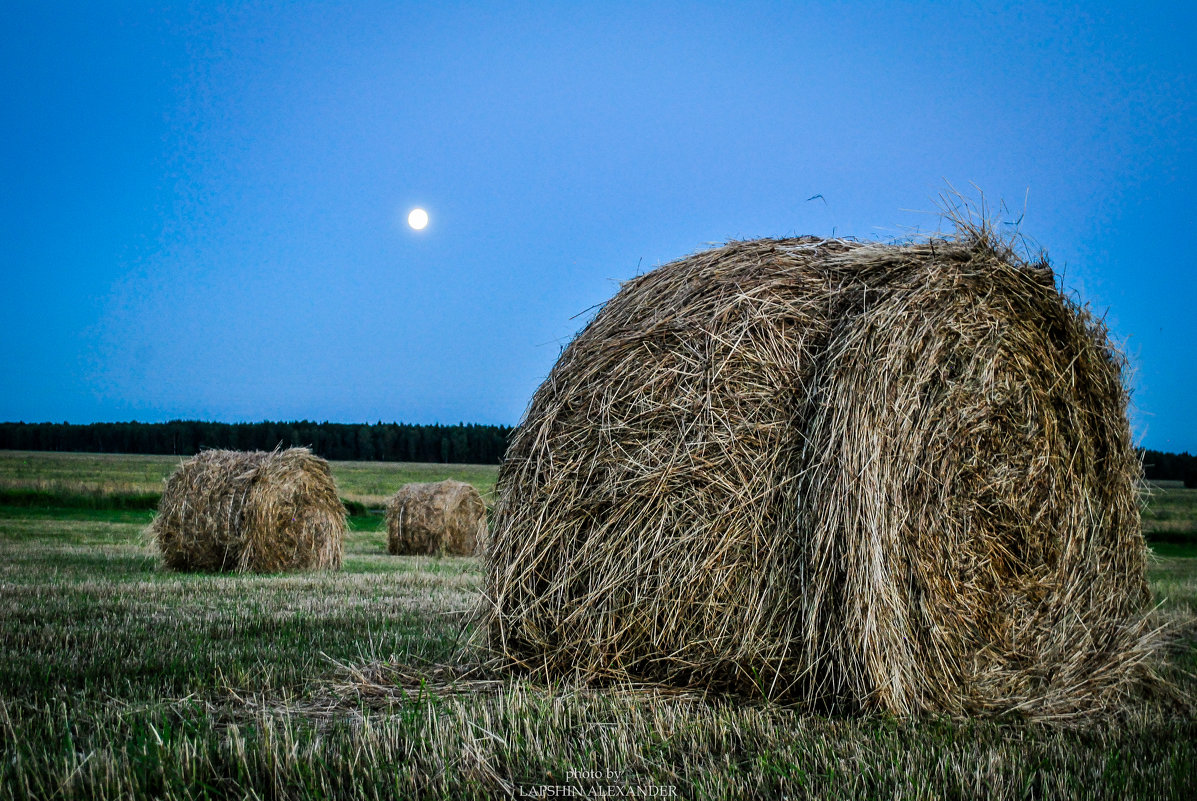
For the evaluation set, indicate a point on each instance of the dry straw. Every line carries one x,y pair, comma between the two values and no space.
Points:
859,475
445,517
251,512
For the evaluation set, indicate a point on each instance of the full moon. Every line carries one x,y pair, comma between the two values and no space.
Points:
418,219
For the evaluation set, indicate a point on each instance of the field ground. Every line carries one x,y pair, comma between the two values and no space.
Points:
100,474
118,679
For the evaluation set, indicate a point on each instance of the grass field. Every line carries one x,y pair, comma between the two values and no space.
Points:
120,680
1170,516
99,474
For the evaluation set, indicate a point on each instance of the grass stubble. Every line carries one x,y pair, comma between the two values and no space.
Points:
119,679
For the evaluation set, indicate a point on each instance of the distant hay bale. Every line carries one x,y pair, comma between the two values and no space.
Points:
859,475
445,517
251,512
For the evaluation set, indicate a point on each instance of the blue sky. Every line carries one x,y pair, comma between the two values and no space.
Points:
203,203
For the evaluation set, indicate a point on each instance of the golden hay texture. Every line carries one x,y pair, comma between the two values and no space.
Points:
860,475
251,512
445,517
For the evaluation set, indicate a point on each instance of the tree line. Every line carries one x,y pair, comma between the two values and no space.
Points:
1163,466
388,442
391,442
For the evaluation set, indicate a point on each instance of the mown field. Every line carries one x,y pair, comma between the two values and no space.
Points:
119,680
105,475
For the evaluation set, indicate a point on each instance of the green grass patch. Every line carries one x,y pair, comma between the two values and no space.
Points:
78,500
367,522
1181,550
134,516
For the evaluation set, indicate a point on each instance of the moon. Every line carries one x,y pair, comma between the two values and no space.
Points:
418,219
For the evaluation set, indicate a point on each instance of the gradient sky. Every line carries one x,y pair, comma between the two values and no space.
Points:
204,204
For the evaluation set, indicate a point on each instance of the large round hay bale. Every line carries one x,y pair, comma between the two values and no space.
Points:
445,517
251,512
866,476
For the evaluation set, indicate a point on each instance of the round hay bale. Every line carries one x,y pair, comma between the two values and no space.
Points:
445,517
860,475
251,512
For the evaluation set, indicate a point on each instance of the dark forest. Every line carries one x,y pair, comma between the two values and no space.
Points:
392,442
